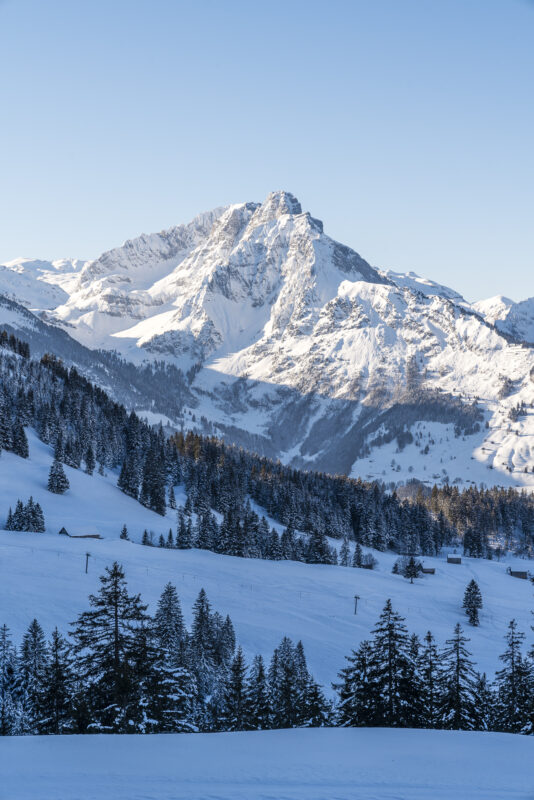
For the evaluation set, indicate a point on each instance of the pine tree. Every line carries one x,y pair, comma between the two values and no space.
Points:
472,602
258,713
124,533
358,693
344,553
90,462
104,645
316,710
31,674
57,480
58,687
392,668
169,626
235,695
357,555
514,685
8,698
457,704
202,645
172,499
20,441
430,682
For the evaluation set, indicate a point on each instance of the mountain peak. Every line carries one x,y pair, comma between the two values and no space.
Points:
278,204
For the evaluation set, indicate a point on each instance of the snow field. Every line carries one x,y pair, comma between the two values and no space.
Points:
320,764
43,576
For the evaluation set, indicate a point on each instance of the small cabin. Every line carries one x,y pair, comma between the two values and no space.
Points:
454,559
367,566
428,570
519,573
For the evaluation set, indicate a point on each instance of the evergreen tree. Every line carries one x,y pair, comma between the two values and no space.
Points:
169,626
31,673
514,685
458,704
258,712
344,553
357,555
104,640
58,687
124,533
235,696
58,482
7,683
90,462
392,668
358,693
20,441
472,602
430,682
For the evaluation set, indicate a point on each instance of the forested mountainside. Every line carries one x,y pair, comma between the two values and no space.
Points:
252,324
89,430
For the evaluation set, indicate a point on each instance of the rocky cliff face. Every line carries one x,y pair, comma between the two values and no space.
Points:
294,345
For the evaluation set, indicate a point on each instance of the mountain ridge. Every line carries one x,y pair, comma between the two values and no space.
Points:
294,345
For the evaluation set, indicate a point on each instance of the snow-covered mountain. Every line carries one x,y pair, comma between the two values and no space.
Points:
295,346
514,319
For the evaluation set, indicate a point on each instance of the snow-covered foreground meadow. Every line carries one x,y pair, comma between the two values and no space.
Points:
320,764
42,575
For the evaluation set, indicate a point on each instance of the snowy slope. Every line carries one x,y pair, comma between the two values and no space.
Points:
320,764
296,346
43,575
515,319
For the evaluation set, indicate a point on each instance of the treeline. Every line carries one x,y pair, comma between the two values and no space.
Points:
90,431
395,680
123,671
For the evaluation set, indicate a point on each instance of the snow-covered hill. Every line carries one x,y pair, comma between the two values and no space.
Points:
320,764
43,575
293,345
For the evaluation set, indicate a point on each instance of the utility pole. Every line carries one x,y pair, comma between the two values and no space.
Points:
356,598
87,557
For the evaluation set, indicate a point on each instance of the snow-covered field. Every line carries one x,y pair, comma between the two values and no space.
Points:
43,576
327,764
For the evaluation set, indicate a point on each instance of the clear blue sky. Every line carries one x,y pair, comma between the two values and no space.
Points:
406,125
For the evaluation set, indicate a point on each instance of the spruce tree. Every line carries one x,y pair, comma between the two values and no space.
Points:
235,695
31,674
90,462
20,441
391,668
104,645
472,602
8,687
458,703
357,691
58,482
258,714
124,533
58,687
357,555
430,682
514,685
344,553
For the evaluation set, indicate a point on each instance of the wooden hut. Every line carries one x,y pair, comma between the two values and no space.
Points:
519,573
428,570
454,559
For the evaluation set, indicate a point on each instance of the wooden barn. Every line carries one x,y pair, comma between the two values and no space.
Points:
428,570
454,559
